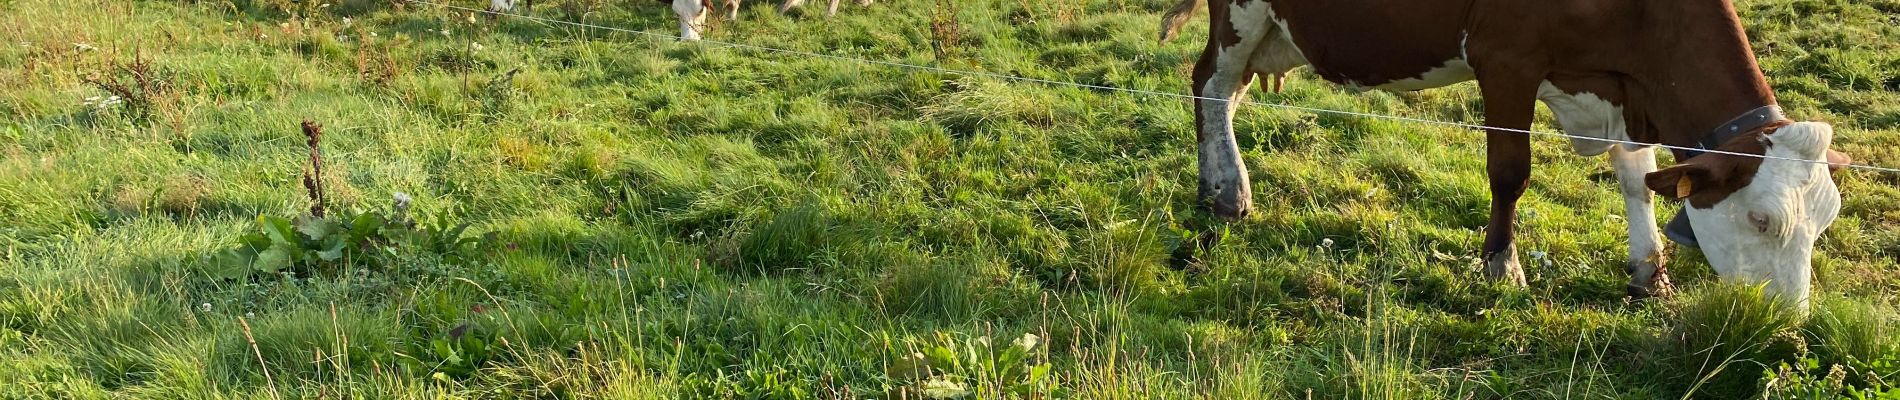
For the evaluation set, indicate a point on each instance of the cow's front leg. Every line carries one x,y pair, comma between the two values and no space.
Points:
1509,105
1220,79
789,5
832,10
1648,275
732,10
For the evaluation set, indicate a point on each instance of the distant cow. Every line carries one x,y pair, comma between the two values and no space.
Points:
1674,72
692,13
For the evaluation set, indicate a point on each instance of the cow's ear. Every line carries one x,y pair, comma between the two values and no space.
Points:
1837,161
1681,181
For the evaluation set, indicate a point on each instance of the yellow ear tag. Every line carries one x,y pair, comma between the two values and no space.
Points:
1684,187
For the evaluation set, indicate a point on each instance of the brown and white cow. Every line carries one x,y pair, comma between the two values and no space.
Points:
1675,72
692,13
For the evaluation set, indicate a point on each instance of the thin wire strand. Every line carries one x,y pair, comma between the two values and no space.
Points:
1148,92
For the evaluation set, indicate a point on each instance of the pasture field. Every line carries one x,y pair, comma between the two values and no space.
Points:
651,219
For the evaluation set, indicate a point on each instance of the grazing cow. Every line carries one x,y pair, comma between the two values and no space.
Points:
1675,72
691,13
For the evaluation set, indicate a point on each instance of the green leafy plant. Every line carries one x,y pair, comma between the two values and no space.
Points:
457,354
1805,379
323,241
315,245
948,367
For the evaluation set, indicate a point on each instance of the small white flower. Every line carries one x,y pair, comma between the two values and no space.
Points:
84,47
1326,243
445,33
248,314
1540,255
372,34
347,21
475,46
206,307
325,5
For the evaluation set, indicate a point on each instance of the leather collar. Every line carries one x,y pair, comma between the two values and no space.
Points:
1741,125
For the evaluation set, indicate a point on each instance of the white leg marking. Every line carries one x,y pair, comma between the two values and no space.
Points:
1646,251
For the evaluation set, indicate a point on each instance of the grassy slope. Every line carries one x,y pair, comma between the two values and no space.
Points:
685,220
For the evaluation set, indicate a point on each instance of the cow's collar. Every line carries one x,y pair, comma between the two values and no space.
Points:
1741,125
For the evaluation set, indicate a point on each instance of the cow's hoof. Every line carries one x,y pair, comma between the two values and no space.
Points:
1503,267
1230,211
1228,204
1648,279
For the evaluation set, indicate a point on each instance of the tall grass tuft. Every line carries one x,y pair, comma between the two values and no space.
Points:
1864,338
1728,336
789,241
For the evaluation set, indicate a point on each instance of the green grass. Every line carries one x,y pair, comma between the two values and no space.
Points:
676,220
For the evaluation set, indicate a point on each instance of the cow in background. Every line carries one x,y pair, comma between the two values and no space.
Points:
692,13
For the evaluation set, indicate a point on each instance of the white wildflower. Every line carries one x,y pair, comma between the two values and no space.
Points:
475,46
1326,243
402,202
347,22
84,47
206,307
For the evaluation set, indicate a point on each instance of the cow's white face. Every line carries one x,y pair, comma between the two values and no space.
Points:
692,15
1763,232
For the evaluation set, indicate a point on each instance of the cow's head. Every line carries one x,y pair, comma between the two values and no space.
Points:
692,15
1756,219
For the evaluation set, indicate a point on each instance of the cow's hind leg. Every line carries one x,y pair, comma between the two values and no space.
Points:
1648,274
1220,79
732,10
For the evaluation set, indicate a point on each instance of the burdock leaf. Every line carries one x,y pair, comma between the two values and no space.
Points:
315,229
278,229
364,225
333,248
274,259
